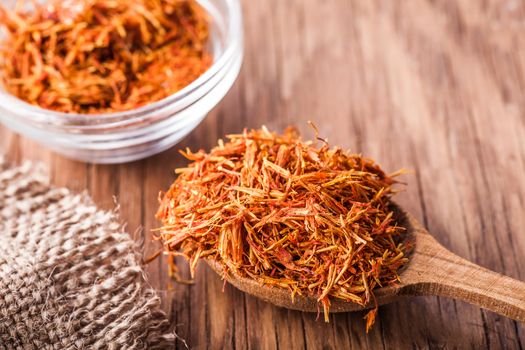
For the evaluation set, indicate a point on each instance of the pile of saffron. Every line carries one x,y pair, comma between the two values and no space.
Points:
311,219
99,56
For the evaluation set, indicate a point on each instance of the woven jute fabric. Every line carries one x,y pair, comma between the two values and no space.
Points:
70,277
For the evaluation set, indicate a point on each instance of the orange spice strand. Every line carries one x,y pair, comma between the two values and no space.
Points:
97,56
316,221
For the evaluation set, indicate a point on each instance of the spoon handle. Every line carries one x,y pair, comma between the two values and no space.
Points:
437,271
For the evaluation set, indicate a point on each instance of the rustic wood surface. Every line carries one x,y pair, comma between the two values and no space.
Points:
433,86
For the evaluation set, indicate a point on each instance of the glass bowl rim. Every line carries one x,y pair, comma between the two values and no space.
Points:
232,43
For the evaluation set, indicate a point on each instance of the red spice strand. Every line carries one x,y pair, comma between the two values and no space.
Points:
93,56
315,221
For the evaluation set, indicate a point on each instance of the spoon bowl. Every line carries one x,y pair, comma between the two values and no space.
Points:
431,270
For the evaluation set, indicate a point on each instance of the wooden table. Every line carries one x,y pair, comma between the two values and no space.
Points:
433,86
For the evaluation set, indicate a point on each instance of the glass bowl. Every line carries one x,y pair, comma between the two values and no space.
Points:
141,132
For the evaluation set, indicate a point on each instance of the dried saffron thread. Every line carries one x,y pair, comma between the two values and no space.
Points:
316,221
95,56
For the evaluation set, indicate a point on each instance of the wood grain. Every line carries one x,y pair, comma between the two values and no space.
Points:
433,86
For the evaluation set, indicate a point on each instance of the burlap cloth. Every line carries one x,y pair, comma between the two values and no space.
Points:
70,277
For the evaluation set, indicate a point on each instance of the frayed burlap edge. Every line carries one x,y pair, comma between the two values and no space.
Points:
70,277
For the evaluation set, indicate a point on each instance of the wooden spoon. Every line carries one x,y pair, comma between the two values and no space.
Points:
431,270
